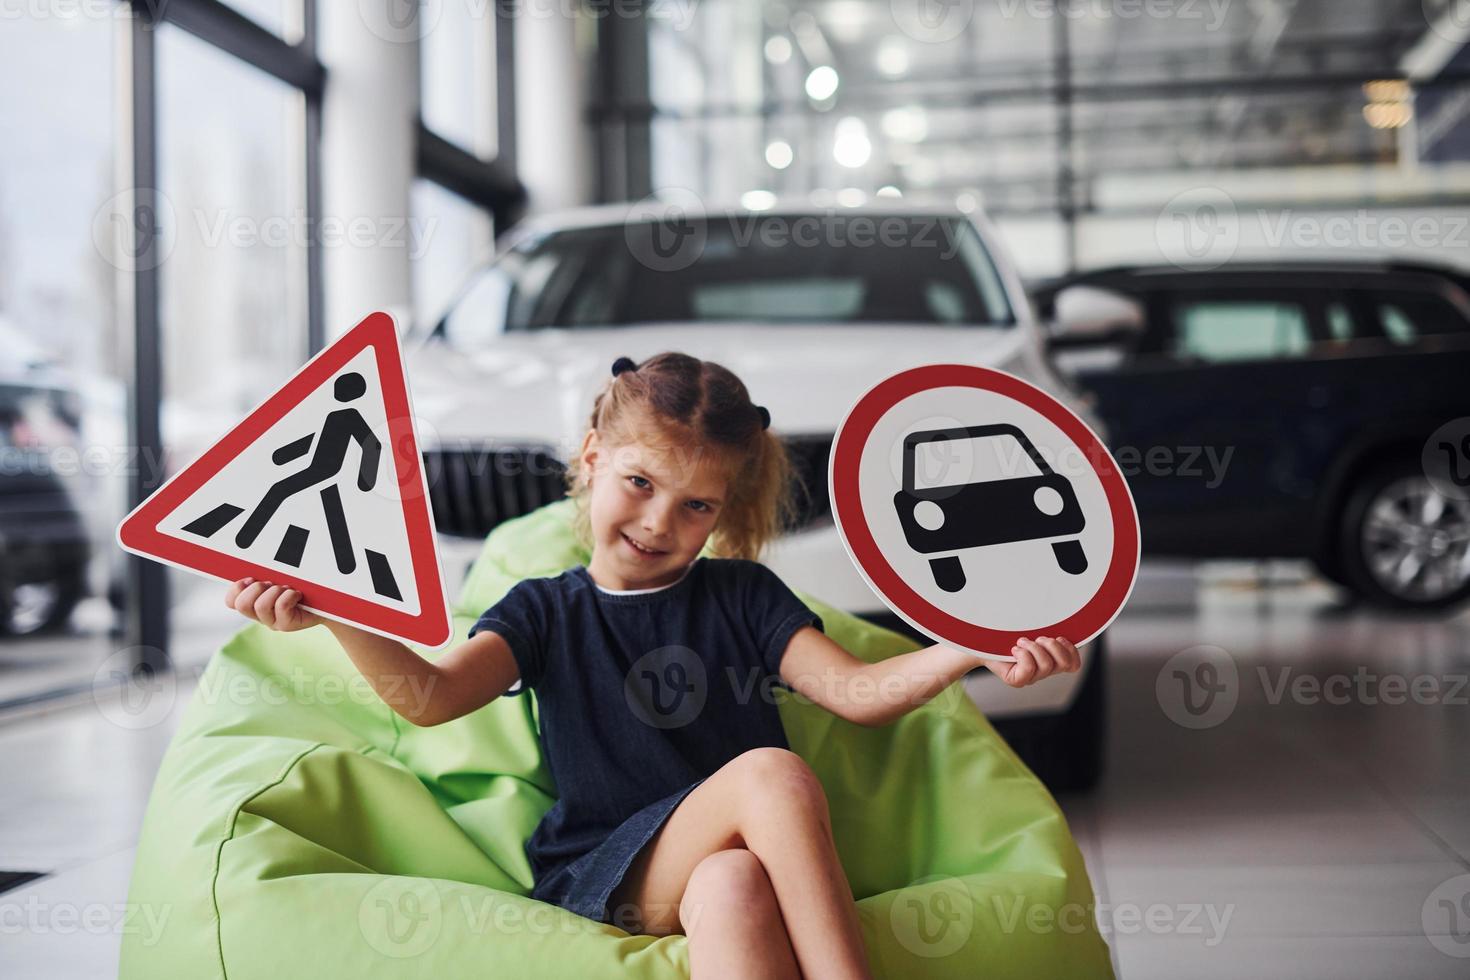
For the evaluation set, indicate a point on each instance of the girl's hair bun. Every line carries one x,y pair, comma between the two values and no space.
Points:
623,364
765,416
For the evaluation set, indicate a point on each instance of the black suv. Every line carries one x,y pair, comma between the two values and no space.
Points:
1285,411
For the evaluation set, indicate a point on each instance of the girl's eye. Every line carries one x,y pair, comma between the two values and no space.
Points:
699,505
638,485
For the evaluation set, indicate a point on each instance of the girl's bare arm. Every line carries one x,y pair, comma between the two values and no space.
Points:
468,677
876,694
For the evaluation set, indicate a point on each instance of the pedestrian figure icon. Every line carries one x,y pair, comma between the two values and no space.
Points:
320,488
338,432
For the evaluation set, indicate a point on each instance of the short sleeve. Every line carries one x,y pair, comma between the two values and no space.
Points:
775,614
521,618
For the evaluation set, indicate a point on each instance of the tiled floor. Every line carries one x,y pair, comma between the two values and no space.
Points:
1297,837
1293,837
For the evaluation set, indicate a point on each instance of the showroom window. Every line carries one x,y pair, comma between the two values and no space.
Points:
166,215
63,439
449,237
466,174
234,308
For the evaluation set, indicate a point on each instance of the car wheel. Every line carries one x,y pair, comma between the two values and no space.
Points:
1329,569
948,573
1066,751
32,608
1402,543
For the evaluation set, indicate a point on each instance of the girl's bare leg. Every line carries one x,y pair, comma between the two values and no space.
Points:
768,801
734,925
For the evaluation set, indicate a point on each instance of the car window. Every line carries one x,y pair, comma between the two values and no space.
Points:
1340,322
945,302
1407,317
777,268
972,459
817,298
1237,330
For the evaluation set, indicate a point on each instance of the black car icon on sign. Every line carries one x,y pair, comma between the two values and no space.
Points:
982,485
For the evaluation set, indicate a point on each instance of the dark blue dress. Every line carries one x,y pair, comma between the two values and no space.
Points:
642,696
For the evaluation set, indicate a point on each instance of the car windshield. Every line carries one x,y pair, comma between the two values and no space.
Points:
976,459
773,268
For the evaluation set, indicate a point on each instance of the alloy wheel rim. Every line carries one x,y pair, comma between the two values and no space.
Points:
1416,540
31,604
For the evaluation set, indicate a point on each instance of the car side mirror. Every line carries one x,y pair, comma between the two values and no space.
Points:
1085,316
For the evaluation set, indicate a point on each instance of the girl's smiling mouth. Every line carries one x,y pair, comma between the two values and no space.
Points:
639,550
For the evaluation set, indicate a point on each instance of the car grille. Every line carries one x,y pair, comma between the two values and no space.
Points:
809,456
476,488
473,489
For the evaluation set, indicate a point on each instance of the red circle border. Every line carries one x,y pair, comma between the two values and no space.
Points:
852,438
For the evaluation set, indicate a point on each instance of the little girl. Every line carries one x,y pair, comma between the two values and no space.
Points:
682,807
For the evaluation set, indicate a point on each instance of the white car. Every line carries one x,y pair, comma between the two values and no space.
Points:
809,306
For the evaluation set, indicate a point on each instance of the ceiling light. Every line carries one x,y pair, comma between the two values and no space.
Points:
1388,115
908,124
851,146
893,57
821,83
1387,90
758,200
779,154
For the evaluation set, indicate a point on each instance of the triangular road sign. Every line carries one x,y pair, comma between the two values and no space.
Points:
321,489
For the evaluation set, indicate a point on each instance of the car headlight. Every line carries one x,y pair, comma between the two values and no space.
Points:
1048,501
928,515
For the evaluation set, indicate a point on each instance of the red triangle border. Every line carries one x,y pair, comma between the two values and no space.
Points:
433,626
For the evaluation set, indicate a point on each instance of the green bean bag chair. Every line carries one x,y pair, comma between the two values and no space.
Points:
298,827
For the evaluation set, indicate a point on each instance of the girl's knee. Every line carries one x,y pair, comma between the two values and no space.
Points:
775,775
733,882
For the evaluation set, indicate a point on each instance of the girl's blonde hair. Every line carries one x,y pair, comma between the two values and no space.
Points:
673,401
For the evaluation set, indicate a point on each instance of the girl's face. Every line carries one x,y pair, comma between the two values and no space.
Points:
651,513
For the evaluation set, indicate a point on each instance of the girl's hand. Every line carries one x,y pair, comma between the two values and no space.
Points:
273,606
1036,659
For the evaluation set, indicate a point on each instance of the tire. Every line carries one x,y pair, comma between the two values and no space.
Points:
1330,571
1386,523
1067,751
